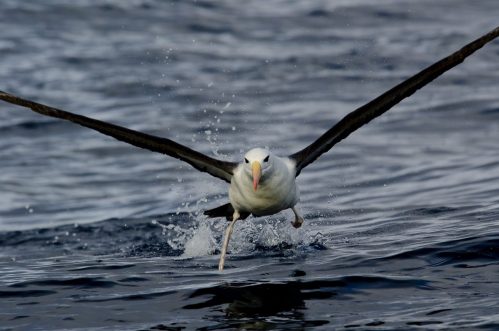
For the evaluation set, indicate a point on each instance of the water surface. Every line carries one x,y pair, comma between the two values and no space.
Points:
401,226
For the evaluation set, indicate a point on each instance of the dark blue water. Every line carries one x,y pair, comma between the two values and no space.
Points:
402,218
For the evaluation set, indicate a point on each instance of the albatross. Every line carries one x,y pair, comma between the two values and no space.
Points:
264,183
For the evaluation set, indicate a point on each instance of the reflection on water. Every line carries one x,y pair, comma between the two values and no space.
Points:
401,218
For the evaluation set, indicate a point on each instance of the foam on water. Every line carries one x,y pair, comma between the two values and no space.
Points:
251,236
400,224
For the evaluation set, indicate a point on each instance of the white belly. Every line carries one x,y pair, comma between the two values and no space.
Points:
277,191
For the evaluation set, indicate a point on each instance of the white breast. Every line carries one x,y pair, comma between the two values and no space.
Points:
277,189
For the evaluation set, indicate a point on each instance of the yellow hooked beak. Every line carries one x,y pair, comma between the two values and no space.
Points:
256,168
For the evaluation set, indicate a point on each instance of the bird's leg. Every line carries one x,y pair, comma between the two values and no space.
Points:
228,233
298,218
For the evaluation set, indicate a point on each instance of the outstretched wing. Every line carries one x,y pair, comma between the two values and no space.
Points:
384,102
217,168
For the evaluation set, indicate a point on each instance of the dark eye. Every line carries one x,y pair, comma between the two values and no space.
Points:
266,159
246,160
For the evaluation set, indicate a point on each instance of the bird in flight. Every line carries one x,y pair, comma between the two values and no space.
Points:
264,183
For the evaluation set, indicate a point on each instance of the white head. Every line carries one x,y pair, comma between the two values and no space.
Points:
257,162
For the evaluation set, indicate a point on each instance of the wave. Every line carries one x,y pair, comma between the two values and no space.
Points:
459,252
173,235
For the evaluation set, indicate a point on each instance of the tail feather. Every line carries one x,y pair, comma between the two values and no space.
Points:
224,211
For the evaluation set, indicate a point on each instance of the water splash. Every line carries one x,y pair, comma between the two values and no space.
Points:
201,242
250,237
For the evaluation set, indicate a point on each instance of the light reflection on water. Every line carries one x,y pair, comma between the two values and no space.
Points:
401,217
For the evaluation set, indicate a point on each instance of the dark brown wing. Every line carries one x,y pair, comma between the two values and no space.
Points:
217,168
384,102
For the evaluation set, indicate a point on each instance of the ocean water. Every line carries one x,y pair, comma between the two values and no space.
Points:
402,218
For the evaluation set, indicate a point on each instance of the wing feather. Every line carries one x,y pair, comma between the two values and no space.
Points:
217,168
384,102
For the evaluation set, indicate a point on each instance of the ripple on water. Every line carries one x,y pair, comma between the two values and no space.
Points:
401,218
